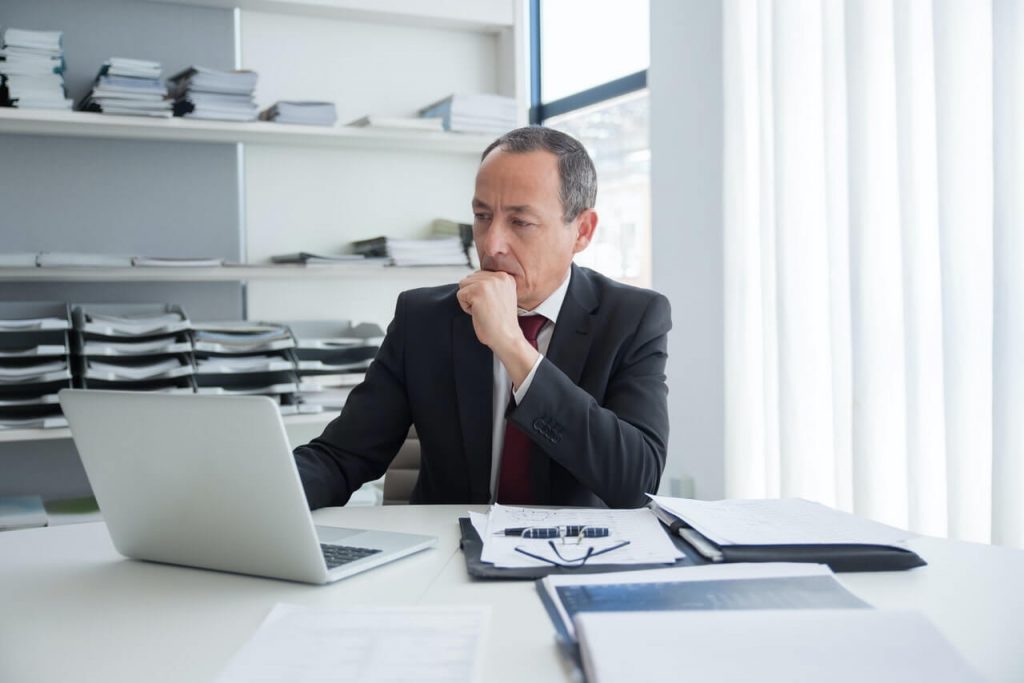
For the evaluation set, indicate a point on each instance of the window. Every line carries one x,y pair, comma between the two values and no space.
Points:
589,72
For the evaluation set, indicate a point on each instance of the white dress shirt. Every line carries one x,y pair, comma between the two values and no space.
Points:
502,391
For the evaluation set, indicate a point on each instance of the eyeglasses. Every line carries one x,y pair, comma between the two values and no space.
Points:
567,536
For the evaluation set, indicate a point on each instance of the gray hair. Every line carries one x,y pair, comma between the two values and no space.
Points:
575,168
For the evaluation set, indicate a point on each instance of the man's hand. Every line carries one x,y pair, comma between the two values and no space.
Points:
490,299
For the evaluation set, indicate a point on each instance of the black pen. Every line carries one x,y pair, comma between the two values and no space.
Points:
556,532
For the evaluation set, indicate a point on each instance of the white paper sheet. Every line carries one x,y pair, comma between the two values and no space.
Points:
365,644
768,646
648,543
778,522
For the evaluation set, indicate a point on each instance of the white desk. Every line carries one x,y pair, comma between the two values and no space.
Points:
71,608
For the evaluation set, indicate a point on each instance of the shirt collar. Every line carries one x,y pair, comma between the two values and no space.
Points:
550,307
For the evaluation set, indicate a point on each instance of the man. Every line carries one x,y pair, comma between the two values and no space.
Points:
533,381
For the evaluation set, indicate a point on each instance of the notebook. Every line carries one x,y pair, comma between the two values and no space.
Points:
210,482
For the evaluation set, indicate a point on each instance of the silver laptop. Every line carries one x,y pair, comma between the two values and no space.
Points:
209,481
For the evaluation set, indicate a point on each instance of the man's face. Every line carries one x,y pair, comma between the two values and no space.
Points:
518,226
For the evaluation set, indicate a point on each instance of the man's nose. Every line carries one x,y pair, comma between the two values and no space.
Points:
495,238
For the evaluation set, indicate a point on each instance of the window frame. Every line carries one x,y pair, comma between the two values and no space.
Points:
542,111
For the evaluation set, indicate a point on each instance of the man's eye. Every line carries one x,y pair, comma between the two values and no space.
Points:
520,223
481,217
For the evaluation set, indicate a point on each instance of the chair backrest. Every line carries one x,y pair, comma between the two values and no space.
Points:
403,472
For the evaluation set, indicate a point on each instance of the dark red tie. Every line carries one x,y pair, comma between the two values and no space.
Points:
514,480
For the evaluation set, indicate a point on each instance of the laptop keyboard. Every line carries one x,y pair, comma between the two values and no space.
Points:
337,555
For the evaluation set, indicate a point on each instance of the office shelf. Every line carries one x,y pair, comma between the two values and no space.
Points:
318,419
357,271
472,15
92,125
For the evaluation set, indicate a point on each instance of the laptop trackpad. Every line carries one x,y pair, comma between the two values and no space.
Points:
333,534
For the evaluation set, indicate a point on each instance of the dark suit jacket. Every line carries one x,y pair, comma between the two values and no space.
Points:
596,407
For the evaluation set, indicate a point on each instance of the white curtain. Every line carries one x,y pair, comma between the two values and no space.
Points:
874,259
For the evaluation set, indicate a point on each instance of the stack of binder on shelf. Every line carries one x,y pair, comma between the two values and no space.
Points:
33,70
34,364
490,114
399,123
128,87
133,347
202,93
332,357
244,358
307,258
302,113
436,251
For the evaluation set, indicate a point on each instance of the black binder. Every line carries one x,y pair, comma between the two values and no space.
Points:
839,557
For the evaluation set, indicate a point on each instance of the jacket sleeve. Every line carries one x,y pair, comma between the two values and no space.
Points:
615,448
358,445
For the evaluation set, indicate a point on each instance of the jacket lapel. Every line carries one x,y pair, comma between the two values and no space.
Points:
568,350
571,341
474,379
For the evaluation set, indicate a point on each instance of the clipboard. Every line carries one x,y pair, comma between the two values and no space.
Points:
472,546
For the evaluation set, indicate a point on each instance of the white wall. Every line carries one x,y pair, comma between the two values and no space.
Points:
686,202
321,199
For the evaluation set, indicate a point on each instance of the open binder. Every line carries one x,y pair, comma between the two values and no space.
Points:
839,556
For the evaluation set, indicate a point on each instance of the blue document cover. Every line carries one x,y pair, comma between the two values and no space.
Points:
788,592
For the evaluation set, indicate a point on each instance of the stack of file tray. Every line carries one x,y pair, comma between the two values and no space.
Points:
245,358
332,357
34,364
133,347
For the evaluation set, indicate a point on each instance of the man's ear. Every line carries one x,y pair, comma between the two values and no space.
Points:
586,224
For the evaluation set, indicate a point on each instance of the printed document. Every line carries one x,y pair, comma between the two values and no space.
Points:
648,542
789,521
365,644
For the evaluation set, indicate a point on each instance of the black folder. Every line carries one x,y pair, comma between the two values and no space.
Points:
840,557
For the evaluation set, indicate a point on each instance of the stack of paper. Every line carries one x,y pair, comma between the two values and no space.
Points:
203,93
303,113
138,347
34,364
332,357
33,70
71,259
769,646
491,114
246,358
129,87
438,251
399,123
177,261
310,259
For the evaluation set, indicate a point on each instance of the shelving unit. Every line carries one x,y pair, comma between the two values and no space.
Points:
247,191
356,271
459,14
318,421
92,125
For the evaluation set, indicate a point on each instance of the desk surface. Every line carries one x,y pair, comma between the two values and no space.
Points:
71,608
